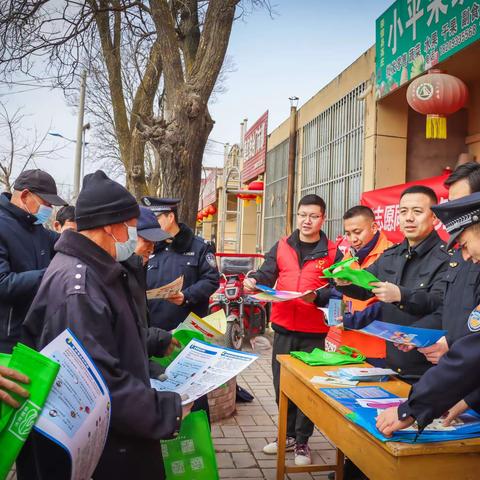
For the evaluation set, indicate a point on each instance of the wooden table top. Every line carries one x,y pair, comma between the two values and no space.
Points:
305,372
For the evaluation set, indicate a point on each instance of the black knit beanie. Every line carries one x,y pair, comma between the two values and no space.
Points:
103,202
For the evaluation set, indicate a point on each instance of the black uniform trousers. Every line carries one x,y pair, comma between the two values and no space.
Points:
298,425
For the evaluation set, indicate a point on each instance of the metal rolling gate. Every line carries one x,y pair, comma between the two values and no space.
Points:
275,194
332,157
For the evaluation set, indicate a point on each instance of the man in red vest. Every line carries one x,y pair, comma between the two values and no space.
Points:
295,263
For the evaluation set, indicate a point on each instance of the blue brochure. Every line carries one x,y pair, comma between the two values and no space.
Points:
367,402
419,337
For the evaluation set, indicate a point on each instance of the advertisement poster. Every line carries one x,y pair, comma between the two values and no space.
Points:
76,414
201,368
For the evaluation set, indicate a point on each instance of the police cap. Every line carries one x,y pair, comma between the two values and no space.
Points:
458,215
148,227
160,205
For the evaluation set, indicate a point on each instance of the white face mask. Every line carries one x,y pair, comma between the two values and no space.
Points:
124,250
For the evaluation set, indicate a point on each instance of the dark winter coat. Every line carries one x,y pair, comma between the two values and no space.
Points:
86,290
186,255
25,252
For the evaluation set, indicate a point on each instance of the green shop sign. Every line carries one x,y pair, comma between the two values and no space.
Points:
414,35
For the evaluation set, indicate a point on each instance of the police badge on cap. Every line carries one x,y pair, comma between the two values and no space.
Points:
458,215
160,205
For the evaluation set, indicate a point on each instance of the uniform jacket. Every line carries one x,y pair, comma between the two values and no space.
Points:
453,379
371,347
282,266
421,295
191,257
25,252
86,290
462,293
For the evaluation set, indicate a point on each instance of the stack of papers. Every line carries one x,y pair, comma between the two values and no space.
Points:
211,327
362,374
336,381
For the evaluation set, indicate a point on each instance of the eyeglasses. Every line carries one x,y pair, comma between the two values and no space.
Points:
312,217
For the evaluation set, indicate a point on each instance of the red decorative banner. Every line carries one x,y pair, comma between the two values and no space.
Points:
384,203
255,149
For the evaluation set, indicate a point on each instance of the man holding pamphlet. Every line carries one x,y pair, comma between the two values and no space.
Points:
296,263
411,280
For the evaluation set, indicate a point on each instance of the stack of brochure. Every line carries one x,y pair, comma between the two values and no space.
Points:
362,374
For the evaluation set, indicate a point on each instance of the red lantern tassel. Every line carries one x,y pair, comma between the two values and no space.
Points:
436,127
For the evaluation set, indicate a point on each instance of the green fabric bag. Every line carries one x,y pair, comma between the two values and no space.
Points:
343,356
362,278
191,455
16,424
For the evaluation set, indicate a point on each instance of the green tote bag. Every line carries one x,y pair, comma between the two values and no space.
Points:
191,455
16,423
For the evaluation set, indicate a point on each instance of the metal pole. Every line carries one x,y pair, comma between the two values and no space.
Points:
79,145
292,146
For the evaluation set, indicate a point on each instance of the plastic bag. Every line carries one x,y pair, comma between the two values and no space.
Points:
191,455
343,271
16,424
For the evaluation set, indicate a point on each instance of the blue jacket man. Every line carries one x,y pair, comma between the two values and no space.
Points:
26,248
187,255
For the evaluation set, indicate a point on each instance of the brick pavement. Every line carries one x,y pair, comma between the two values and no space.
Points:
239,440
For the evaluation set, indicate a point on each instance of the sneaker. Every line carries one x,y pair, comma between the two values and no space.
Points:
303,455
272,448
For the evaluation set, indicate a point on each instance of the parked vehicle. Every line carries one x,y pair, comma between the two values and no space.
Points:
246,317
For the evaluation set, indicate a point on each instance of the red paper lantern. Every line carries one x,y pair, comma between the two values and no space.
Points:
211,210
437,95
257,185
199,217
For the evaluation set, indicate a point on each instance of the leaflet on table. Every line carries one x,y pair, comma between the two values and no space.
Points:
418,337
166,291
367,402
363,374
76,414
201,368
343,382
212,326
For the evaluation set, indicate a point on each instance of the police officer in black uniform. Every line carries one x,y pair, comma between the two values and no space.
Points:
462,279
186,255
412,279
456,375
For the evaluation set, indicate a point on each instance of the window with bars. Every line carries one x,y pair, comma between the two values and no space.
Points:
275,194
332,158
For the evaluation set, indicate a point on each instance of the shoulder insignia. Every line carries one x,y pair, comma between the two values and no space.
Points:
453,264
474,320
210,258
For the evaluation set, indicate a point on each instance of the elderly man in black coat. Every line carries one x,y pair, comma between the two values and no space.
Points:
87,290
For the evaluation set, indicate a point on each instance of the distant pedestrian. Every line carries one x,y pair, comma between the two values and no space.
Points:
65,219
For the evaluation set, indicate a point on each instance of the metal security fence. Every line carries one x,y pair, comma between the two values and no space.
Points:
275,194
332,158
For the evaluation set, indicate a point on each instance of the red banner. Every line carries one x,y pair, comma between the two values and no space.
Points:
384,203
255,150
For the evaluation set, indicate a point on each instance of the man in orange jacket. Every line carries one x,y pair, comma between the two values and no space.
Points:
367,243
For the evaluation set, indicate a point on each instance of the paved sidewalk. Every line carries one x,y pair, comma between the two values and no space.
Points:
239,440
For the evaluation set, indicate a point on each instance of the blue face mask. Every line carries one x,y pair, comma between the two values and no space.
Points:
124,250
43,214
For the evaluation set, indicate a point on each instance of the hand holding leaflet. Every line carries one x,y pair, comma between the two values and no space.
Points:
342,270
268,294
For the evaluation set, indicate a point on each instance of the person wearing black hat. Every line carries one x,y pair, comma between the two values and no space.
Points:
454,384
26,248
86,289
149,233
187,255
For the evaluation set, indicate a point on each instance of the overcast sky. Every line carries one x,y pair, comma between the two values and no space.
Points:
304,46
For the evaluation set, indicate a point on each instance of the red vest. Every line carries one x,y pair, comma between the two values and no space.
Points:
298,315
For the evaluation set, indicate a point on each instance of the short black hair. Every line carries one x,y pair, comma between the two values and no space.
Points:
359,210
468,171
65,214
174,211
313,199
421,189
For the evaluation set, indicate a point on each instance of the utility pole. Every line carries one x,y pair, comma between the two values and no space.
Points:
79,146
292,147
